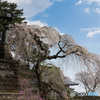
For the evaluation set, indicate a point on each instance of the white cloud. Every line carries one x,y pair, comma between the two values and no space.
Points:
33,7
88,1
57,0
97,10
87,10
91,31
79,2
19,1
93,8
38,22
59,31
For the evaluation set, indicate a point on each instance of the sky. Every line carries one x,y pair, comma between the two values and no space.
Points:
78,18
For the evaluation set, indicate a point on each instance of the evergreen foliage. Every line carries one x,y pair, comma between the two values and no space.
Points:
9,14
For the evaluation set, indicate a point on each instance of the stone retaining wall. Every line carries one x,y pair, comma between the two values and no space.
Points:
8,75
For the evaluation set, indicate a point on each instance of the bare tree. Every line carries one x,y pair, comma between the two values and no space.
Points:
90,81
33,44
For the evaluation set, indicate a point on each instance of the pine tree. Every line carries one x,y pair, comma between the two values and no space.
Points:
9,14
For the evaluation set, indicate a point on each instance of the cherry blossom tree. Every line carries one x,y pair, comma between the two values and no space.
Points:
33,44
90,81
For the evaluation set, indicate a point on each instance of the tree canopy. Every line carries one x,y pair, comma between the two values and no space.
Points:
9,14
33,44
90,81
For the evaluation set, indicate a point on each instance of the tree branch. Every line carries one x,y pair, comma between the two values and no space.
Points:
60,94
